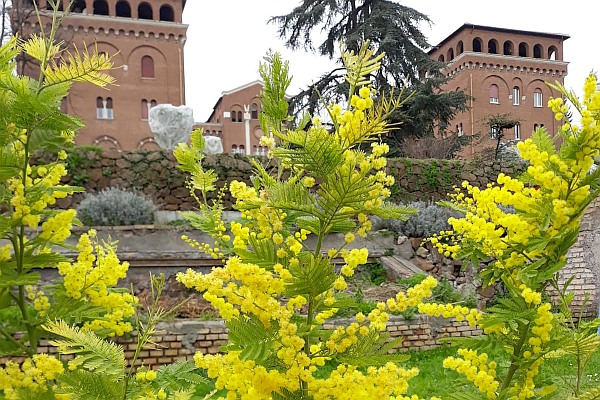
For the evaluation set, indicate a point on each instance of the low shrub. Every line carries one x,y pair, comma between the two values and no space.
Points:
429,219
114,206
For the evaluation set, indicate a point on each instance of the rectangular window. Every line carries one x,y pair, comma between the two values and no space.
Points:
100,113
517,132
516,96
108,113
494,131
494,100
537,99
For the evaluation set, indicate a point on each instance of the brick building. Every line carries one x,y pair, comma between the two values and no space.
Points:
235,120
146,39
505,71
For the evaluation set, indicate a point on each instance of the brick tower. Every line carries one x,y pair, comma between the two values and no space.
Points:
146,39
505,71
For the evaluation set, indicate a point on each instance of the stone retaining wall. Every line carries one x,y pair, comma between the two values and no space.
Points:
155,174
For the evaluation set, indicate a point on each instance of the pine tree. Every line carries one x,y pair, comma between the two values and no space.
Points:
391,28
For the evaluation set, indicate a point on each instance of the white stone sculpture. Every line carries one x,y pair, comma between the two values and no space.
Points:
170,125
213,145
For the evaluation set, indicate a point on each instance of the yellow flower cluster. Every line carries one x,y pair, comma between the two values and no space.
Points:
39,299
530,296
472,316
476,369
40,189
92,278
33,375
413,296
239,286
525,389
542,329
353,259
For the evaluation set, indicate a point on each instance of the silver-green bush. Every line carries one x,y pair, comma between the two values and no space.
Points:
429,219
114,206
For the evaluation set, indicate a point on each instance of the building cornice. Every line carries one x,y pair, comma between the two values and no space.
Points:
499,63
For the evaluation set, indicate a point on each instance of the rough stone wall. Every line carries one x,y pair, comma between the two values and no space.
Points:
180,340
583,264
155,174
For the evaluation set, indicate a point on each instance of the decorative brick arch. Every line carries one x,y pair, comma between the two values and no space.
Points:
108,143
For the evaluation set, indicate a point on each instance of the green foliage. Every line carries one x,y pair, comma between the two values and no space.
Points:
114,206
429,219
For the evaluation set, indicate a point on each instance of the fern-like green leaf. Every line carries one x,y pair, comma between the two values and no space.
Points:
291,196
316,151
40,48
86,385
80,66
95,355
374,349
590,394
248,335
179,376
389,210
312,277
261,252
285,394
360,66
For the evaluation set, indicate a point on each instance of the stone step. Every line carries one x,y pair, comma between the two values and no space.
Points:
398,267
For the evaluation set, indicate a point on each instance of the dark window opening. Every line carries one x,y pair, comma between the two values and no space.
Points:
233,116
508,48
552,51
145,11
100,7
477,45
441,58
78,6
123,9
523,50
460,48
493,47
450,54
537,51
254,111
239,116
167,14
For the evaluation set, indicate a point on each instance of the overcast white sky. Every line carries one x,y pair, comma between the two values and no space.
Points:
226,39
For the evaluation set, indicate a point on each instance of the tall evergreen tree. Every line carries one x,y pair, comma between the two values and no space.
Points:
393,29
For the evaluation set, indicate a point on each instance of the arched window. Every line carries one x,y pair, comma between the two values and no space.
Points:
123,9
78,6
99,108
535,126
100,7
152,103
234,116
144,109
104,108
537,98
516,96
493,46
450,54
255,150
441,58
234,149
494,94
517,132
523,49
552,53
239,116
145,11
460,48
459,129
147,67
508,48
109,108
254,111
477,45
242,149
537,51
167,14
